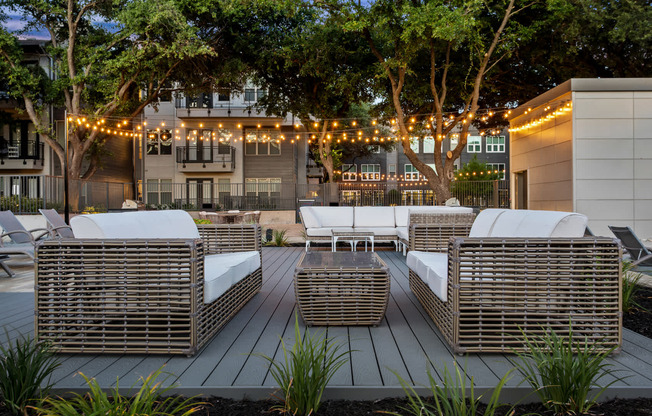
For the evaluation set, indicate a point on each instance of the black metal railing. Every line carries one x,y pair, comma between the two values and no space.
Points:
223,154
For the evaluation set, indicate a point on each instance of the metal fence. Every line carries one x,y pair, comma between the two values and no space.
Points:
26,194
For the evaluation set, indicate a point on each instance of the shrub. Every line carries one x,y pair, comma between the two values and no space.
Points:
279,239
25,370
563,371
630,287
451,399
147,400
202,221
305,370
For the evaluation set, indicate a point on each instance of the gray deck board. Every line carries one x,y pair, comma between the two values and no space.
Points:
406,341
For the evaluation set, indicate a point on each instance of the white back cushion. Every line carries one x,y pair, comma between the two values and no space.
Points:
542,224
309,218
139,224
373,217
484,222
334,216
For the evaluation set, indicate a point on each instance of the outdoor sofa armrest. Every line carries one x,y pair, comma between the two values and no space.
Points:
431,231
498,287
229,238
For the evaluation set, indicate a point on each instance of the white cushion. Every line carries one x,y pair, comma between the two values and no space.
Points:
378,230
403,233
221,271
432,268
334,216
541,224
373,217
139,224
326,232
309,218
484,222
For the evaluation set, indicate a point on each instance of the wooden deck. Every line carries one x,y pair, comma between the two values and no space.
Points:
404,343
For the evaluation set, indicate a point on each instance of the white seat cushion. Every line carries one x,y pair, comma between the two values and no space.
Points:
379,231
334,216
402,233
432,268
221,271
326,231
484,222
376,217
139,224
539,224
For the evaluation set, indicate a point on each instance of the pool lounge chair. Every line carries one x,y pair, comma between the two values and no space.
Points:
56,225
640,254
22,240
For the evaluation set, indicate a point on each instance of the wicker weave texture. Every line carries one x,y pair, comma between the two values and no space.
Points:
229,238
498,287
342,296
130,296
431,231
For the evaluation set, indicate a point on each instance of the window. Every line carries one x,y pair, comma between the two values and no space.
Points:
417,197
159,142
495,144
262,142
370,172
500,167
260,93
250,94
428,145
263,187
391,169
350,198
374,148
159,191
414,144
454,142
200,101
474,144
224,192
223,94
411,173
349,172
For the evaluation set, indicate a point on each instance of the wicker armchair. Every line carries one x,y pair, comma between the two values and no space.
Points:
138,295
430,231
486,290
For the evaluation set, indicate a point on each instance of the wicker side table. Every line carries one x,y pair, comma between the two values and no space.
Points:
341,288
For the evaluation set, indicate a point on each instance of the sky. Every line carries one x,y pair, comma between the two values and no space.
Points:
16,22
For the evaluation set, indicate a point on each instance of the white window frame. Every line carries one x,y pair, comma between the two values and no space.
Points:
454,141
500,167
161,189
370,175
349,172
428,144
413,174
256,186
391,169
474,144
350,196
495,144
262,137
414,144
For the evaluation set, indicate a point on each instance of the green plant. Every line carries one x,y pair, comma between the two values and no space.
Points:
630,287
563,371
25,370
147,400
202,221
279,239
305,370
450,398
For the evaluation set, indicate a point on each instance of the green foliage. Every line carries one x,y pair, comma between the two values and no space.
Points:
148,400
94,209
279,239
450,398
201,221
630,287
25,370
563,371
305,370
475,170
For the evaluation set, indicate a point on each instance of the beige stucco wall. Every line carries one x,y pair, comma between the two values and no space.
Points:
613,164
545,152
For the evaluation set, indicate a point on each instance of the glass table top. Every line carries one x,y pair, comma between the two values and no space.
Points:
328,259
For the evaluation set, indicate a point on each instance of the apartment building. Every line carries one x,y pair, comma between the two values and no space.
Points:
216,149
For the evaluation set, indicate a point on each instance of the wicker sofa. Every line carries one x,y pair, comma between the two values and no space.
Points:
521,270
143,282
393,224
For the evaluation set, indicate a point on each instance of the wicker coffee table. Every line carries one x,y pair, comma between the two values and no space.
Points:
341,288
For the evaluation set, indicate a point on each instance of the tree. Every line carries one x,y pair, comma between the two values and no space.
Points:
429,53
315,71
103,71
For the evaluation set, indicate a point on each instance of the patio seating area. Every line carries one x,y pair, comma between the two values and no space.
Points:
404,341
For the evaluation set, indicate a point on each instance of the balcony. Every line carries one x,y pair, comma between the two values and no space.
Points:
27,155
206,159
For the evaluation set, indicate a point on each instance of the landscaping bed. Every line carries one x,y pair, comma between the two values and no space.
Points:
640,320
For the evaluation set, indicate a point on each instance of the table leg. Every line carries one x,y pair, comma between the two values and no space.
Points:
372,242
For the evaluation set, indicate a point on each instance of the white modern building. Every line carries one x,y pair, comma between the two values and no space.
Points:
586,146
